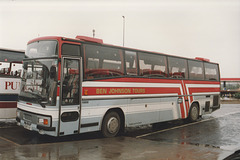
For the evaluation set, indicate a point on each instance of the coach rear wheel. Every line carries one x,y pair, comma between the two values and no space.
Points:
111,124
194,113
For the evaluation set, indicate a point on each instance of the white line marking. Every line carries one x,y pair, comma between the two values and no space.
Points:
189,124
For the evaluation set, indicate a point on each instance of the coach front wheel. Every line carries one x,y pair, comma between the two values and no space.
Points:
194,113
111,124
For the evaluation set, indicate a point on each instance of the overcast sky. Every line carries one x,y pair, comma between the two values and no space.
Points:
188,28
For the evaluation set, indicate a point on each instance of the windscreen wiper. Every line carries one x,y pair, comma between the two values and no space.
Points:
39,99
42,104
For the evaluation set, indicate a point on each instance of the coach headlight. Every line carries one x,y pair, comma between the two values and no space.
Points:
45,121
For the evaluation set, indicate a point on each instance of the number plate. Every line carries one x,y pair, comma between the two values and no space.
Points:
27,125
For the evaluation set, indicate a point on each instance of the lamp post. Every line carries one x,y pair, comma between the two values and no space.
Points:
123,29
93,33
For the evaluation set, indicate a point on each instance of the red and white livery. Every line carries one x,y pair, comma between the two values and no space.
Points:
72,86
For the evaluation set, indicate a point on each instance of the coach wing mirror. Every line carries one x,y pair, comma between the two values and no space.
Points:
53,72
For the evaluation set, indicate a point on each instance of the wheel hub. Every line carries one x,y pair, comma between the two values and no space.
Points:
112,125
194,113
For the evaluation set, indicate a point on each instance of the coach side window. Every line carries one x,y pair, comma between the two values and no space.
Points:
152,65
4,68
70,49
131,62
177,68
195,70
102,62
211,72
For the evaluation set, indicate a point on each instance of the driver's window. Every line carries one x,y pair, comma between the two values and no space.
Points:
71,81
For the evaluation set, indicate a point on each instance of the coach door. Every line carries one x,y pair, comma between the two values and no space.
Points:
70,96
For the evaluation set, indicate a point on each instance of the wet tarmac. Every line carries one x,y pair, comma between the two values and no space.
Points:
112,148
218,133
214,137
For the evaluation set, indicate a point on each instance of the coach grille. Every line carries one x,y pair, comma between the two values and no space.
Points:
27,117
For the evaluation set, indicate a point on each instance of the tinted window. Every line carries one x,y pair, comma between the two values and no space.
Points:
39,81
70,49
41,49
131,65
211,71
177,68
70,88
152,65
103,62
10,56
195,70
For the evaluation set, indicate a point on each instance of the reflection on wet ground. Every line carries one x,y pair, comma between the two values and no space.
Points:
111,148
218,131
205,133
22,136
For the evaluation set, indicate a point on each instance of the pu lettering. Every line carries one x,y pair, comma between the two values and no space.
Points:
11,85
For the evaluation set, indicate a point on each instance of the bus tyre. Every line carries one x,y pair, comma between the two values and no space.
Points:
194,113
111,124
